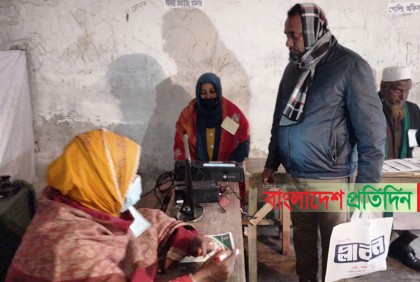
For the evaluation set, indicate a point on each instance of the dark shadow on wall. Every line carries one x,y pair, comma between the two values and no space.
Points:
159,137
193,42
150,105
133,79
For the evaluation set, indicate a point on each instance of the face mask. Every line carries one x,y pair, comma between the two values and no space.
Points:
133,193
210,104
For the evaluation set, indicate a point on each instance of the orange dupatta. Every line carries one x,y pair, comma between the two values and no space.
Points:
96,169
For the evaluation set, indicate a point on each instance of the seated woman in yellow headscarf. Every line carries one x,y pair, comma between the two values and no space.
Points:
86,227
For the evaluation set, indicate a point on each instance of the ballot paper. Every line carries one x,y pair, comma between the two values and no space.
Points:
221,242
401,165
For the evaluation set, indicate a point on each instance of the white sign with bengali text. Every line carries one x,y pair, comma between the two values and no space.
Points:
184,4
403,8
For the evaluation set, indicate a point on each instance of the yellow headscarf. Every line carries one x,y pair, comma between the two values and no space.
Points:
96,169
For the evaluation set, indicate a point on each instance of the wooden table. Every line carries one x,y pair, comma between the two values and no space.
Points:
253,170
214,221
401,177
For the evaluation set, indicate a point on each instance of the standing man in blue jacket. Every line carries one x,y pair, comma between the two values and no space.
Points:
327,123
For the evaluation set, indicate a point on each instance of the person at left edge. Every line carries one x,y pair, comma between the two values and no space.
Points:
217,129
86,227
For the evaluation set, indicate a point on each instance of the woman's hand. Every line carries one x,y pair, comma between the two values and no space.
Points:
214,270
201,246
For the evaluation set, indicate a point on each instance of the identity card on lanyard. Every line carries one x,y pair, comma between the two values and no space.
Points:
140,224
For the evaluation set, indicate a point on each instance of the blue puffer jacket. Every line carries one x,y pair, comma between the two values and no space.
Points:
343,125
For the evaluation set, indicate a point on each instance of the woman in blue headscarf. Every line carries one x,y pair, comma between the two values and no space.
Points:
217,129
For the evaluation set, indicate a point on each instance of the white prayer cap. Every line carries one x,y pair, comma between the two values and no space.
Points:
396,73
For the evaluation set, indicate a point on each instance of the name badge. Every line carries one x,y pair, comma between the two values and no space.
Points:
140,224
230,125
412,142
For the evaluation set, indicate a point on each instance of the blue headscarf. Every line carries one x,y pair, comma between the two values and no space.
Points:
208,118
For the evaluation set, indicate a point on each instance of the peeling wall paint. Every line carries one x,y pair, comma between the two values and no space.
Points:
131,66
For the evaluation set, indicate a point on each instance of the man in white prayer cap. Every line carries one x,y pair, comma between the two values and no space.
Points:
401,115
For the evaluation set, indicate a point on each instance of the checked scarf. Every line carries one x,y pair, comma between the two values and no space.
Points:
317,40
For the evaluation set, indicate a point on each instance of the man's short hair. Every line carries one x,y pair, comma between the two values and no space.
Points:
295,10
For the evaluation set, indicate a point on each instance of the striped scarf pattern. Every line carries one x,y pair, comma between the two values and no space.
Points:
317,40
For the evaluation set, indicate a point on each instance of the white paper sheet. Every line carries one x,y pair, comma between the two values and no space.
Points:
16,131
401,165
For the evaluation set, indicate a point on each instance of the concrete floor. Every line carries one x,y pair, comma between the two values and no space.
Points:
273,266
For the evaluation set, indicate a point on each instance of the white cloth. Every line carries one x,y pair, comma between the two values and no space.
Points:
16,131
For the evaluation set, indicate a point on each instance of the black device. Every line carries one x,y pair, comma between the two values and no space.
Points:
218,171
189,209
205,191
8,188
17,207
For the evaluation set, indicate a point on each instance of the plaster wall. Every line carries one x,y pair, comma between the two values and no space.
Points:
131,66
